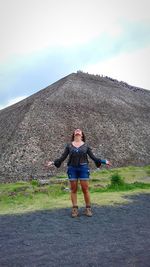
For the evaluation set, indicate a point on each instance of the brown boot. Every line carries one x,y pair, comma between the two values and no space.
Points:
88,212
74,212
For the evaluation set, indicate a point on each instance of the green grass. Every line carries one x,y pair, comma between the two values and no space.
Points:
105,189
130,174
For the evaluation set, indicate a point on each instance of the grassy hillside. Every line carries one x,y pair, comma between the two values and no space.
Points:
23,197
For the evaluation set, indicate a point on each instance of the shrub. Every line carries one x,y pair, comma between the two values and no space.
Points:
34,183
116,179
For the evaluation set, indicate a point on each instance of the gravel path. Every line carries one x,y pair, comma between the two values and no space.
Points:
114,237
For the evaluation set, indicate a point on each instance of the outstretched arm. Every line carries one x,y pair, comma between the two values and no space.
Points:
57,162
97,161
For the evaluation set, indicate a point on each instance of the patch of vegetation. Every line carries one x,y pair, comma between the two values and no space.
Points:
29,196
118,184
148,172
116,179
61,176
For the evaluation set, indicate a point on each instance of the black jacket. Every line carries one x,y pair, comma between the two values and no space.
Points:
77,156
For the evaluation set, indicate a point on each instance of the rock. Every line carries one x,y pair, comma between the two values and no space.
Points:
44,182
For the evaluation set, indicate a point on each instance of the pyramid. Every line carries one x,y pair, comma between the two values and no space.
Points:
114,116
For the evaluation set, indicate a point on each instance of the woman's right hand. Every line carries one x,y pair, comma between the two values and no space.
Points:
49,164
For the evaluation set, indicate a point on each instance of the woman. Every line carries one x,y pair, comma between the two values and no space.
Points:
78,169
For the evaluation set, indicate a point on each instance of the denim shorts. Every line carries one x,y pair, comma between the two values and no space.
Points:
81,172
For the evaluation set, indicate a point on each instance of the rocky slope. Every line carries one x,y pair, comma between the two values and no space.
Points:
114,116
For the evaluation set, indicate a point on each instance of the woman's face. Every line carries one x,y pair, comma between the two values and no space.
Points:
78,132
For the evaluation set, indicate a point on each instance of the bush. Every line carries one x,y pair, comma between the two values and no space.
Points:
34,183
116,180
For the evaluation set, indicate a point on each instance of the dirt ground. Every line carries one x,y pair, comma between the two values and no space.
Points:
114,237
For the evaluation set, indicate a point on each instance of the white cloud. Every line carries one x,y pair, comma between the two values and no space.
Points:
31,25
132,68
12,101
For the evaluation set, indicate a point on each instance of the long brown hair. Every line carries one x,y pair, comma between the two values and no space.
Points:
83,136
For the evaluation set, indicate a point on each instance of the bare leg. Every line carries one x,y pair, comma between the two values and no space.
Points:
74,188
85,190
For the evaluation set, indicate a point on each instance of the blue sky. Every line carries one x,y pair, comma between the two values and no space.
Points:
43,41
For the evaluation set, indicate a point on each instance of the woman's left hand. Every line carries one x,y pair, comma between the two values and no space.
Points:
108,163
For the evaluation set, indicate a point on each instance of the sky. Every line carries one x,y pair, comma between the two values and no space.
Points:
44,40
